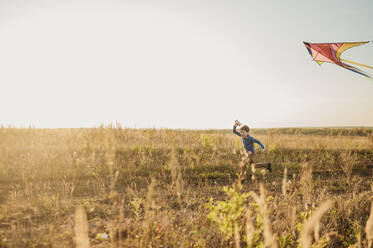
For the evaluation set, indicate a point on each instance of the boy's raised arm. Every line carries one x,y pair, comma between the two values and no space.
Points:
235,131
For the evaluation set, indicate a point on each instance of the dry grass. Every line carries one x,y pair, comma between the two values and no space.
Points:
149,188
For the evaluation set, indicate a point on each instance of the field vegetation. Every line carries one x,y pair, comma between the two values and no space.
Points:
117,187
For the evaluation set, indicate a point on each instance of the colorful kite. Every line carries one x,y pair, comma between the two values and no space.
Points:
331,52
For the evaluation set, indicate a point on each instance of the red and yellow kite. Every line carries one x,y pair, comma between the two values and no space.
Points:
331,52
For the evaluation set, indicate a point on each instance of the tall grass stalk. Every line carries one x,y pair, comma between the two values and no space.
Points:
237,237
310,225
306,184
81,228
270,240
285,182
347,164
369,227
176,174
250,229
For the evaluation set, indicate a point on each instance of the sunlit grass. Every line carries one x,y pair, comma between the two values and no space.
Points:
141,188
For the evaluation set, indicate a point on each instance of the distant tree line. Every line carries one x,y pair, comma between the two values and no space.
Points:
364,131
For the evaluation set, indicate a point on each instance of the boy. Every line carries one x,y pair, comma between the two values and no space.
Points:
248,143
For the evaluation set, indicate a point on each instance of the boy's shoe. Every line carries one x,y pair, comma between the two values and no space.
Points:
269,167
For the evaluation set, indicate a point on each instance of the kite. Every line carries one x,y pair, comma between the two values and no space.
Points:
331,53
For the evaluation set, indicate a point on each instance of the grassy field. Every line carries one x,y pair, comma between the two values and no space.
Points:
117,187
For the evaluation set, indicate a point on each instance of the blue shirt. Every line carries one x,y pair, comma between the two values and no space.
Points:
248,142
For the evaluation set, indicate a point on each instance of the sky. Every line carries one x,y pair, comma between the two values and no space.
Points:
189,64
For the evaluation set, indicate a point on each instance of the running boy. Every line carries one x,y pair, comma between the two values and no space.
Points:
248,143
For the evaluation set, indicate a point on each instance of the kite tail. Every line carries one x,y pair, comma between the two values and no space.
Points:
358,64
355,63
351,68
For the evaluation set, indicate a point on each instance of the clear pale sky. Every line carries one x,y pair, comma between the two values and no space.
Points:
181,63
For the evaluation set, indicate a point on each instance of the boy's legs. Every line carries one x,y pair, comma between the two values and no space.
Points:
247,163
259,165
251,158
251,163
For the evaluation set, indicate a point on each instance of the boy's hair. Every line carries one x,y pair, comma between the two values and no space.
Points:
245,127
